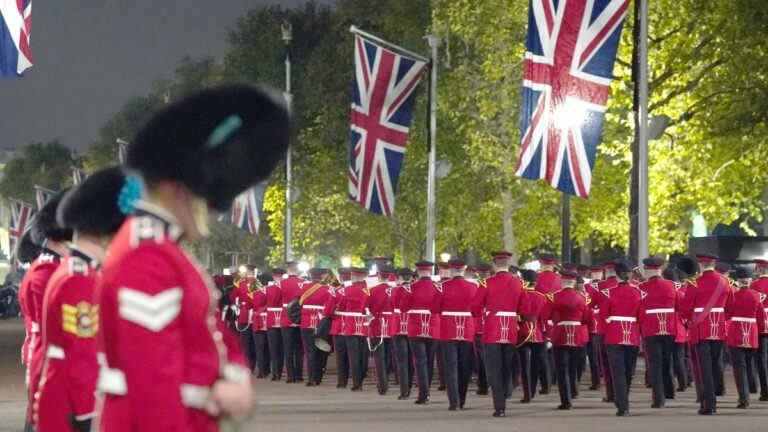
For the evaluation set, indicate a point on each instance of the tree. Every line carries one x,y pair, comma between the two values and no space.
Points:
46,164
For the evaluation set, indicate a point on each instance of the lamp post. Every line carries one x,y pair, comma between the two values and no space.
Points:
287,34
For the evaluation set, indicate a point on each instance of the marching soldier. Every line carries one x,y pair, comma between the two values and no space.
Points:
570,314
398,328
457,333
52,238
351,307
380,306
274,309
622,333
704,307
688,269
314,296
531,340
743,310
483,272
339,341
500,299
290,289
547,282
422,304
602,295
260,326
444,274
65,399
658,321
242,297
596,368
760,285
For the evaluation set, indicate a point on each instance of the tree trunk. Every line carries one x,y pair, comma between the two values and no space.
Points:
510,241
585,252
635,173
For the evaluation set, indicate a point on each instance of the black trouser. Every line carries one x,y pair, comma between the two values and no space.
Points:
482,377
680,366
342,360
593,355
294,362
581,364
315,356
262,352
423,357
533,368
659,351
380,357
249,350
457,361
275,342
751,366
709,354
404,364
438,358
739,358
761,358
607,372
622,360
720,373
566,365
356,350
499,365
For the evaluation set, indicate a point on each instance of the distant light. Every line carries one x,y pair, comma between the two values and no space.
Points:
226,271
303,266
534,265
346,261
374,270
445,257
242,269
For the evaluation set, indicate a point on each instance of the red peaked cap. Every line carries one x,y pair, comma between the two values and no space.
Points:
596,268
761,264
547,259
425,265
653,263
443,265
706,258
568,275
358,271
457,264
502,255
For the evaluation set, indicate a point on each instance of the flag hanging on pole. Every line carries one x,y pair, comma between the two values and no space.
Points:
77,176
570,51
21,214
42,195
15,27
246,209
382,109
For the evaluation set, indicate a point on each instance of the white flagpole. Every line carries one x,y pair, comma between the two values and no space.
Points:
287,38
642,135
390,45
434,43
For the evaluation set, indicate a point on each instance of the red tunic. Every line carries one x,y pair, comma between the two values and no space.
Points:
398,325
534,311
351,308
570,315
163,346
760,285
478,309
548,282
422,305
259,305
313,304
704,307
501,299
593,294
290,290
34,285
456,322
380,305
274,305
658,310
621,311
743,309
243,298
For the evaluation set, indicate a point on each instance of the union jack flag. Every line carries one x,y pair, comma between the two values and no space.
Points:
21,213
570,51
42,195
382,108
246,209
15,27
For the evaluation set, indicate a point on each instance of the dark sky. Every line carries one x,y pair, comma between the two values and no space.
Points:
93,55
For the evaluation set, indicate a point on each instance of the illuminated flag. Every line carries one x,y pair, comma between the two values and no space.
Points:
15,27
246,209
21,213
42,195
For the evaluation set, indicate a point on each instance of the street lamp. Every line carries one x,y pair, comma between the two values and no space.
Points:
445,257
287,35
346,261
303,266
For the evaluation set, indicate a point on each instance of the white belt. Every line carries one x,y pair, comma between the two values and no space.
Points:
386,313
111,381
663,310
420,311
744,319
350,314
550,322
569,323
765,310
34,327
718,309
621,318
263,314
274,309
313,307
457,314
195,396
285,305
502,313
399,311
55,352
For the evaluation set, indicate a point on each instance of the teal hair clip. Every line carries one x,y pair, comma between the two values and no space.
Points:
130,194
224,130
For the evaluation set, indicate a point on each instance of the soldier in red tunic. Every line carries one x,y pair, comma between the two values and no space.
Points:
259,325
274,310
52,238
339,341
314,296
622,333
242,298
351,308
596,367
398,328
743,310
482,272
500,299
570,315
760,285
704,307
422,305
658,322
381,309
168,364
531,340
290,289
603,293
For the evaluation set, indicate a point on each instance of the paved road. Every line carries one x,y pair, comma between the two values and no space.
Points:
285,408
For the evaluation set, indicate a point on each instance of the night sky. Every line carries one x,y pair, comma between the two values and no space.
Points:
93,55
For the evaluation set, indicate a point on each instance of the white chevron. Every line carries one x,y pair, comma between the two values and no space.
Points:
152,312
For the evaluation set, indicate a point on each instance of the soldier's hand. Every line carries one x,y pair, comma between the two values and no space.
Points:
80,425
234,398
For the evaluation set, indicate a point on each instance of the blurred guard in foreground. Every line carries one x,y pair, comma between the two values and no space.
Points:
169,365
65,399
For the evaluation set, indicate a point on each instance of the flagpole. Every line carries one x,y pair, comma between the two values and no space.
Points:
389,45
642,186
287,37
565,244
434,43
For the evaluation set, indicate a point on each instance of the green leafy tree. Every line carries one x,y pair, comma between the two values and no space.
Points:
46,164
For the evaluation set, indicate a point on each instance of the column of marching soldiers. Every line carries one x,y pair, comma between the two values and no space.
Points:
513,326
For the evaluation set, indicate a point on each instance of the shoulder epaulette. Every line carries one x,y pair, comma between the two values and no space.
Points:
550,297
78,266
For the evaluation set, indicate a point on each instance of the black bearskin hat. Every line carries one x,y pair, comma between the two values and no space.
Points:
217,142
27,250
45,226
92,206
